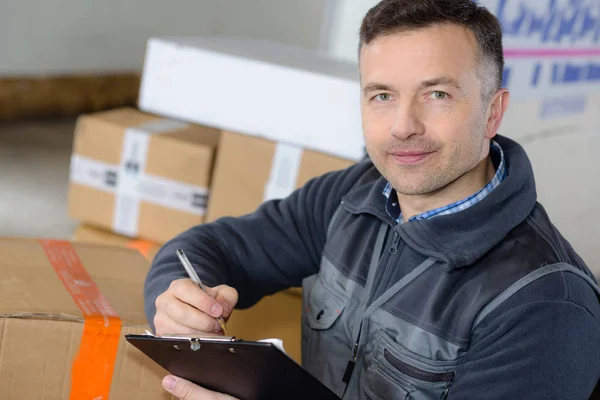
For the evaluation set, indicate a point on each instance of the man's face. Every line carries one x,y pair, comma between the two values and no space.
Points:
424,119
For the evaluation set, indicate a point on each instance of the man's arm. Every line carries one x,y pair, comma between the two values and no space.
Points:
260,253
537,350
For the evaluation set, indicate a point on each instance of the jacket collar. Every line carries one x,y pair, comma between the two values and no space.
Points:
462,238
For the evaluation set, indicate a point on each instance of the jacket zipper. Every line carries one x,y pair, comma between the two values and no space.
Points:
393,251
417,373
352,362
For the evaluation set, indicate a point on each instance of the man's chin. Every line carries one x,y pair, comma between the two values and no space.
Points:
413,192
416,188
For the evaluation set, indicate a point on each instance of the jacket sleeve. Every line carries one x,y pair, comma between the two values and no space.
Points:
538,350
261,253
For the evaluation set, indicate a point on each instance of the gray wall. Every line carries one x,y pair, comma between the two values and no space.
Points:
39,36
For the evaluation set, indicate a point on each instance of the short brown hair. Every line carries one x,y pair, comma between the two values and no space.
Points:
393,16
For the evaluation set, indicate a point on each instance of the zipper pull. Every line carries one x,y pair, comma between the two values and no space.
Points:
350,366
445,393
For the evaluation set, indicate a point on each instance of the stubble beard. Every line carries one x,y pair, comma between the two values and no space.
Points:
420,180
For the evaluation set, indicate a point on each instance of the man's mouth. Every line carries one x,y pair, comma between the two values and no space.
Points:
410,157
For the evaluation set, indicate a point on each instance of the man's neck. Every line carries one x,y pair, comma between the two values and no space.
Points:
465,186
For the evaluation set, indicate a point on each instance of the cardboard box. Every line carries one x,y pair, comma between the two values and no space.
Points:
140,175
91,235
256,170
51,345
281,92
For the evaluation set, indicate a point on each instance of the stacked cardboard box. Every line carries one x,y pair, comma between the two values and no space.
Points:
256,169
64,311
140,175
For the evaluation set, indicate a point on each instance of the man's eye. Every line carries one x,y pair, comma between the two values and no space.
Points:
383,97
437,95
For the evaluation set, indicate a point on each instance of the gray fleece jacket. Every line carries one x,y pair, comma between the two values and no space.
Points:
488,303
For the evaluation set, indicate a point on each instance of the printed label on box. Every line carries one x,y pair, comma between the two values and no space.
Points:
284,172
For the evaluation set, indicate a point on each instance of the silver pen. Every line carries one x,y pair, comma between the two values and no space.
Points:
194,277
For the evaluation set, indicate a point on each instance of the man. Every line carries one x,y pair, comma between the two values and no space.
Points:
429,271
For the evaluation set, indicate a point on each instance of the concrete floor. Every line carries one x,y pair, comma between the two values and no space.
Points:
34,174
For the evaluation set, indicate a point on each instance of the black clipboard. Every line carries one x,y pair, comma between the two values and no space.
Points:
247,370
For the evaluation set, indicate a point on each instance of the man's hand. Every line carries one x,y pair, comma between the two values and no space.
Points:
184,309
185,390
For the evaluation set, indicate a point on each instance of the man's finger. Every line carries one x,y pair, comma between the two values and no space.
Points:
186,390
165,325
187,315
188,292
228,297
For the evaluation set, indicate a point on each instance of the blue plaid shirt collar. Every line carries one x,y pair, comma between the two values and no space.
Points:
393,208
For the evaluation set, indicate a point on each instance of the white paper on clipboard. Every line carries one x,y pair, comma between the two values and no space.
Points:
278,343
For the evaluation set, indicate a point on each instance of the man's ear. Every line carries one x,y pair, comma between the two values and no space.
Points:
498,106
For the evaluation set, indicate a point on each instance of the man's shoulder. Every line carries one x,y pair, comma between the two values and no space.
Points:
548,269
556,286
544,228
536,242
534,264
343,181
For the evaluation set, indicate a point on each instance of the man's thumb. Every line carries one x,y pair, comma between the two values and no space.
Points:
228,297
182,389
185,390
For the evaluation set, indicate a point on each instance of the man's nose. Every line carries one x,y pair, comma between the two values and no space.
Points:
407,122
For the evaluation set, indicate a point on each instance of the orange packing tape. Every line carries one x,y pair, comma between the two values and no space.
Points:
92,370
143,246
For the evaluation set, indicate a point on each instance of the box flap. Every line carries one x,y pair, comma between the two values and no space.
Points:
125,116
31,288
99,136
89,234
197,134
